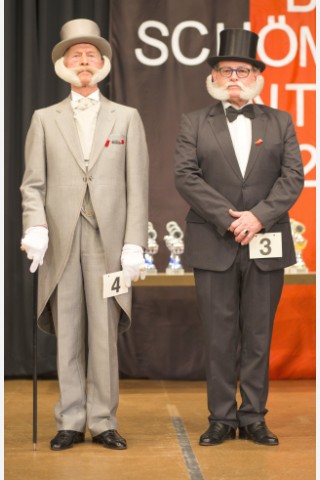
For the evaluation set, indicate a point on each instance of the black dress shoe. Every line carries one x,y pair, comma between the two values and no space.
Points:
65,439
258,432
111,439
217,433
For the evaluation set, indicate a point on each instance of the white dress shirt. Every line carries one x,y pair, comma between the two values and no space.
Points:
86,121
241,135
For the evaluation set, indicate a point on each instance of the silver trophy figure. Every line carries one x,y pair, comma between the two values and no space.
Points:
300,243
174,242
151,250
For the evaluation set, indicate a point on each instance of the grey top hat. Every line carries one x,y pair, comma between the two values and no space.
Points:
238,44
80,30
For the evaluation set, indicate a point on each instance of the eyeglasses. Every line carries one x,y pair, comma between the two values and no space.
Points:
241,72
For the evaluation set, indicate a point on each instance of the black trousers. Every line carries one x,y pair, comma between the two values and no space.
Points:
237,307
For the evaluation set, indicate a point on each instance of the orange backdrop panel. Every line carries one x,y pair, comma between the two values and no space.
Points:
294,336
287,45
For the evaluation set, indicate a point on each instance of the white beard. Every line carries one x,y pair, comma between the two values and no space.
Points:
70,75
246,93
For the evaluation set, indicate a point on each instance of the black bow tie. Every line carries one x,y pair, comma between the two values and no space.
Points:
247,111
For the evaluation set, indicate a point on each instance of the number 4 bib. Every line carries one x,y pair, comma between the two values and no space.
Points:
266,245
113,284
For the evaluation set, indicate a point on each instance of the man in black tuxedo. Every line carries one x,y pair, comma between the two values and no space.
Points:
238,165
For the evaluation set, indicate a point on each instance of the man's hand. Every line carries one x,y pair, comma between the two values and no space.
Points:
133,264
35,243
245,226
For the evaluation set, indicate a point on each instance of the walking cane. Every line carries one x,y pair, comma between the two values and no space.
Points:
35,338
34,348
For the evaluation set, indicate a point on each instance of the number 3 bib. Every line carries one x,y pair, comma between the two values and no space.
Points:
266,245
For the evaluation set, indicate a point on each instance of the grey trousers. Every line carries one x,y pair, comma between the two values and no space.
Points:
86,397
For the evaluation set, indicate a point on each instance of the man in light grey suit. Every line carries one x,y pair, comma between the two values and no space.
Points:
85,214
238,166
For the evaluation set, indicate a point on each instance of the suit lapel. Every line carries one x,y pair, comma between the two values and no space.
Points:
258,133
218,122
68,129
105,121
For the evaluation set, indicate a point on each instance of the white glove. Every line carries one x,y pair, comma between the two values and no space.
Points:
35,243
132,261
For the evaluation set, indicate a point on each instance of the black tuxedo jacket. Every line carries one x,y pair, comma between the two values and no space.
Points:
208,177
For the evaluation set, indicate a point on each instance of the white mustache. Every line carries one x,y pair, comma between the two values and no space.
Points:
78,70
238,83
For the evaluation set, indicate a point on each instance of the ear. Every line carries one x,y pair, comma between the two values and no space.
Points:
213,75
256,72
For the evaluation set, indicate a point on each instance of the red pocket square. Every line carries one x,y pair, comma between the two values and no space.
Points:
259,141
107,143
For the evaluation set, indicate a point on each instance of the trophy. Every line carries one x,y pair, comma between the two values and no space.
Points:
174,242
151,250
300,243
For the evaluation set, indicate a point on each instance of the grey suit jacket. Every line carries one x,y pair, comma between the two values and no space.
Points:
55,182
208,177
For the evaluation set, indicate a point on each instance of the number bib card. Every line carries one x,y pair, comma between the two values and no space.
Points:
266,245
113,284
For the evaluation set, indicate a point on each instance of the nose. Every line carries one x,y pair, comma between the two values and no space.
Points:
84,59
234,75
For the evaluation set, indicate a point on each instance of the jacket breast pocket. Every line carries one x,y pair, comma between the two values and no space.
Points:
115,140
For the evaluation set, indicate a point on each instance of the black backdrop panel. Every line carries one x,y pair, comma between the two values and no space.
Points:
165,340
176,33
153,44
31,31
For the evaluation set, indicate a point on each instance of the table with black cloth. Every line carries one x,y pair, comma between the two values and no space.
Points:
165,340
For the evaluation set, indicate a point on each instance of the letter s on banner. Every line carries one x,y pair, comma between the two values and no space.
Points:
176,45
153,62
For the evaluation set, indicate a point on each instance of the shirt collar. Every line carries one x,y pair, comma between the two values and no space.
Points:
75,96
228,104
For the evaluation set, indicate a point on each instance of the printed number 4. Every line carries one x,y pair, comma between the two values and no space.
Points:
116,285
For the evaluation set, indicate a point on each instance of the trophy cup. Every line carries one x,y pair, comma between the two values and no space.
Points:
151,250
300,243
174,242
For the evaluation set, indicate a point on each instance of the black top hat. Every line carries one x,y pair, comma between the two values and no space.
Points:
238,44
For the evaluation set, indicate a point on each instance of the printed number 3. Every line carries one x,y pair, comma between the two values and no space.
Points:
266,244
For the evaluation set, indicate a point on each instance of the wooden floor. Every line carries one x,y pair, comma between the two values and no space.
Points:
162,421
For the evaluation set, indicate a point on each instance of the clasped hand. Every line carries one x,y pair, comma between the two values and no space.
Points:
245,226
